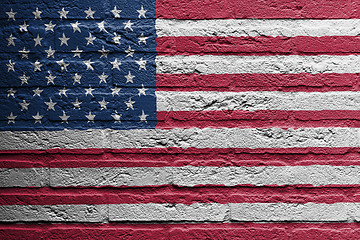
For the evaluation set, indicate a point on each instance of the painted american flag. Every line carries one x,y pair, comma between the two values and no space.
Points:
179,119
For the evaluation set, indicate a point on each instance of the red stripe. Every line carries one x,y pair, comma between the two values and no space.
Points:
302,45
296,231
187,9
158,157
303,82
258,119
177,195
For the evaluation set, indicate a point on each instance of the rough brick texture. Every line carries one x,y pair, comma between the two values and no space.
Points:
254,135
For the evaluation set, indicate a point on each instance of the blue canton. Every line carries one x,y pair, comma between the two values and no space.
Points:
77,65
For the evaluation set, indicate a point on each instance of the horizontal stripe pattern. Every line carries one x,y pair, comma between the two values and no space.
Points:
182,138
316,175
319,184
256,27
198,212
209,64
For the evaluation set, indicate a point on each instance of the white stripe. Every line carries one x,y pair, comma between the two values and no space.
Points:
24,177
316,175
258,27
308,212
168,212
53,213
251,101
291,64
197,212
182,138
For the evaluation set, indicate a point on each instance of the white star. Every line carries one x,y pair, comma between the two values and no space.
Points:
50,105
64,118
90,117
89,91
37,118
11,65
37,40
24,79
88,64
115,90
129,78
101,26
89,13
24,105
77,52
50,78
63,65
116,12
103,104
37,14
50,52
130,52
141,63
128,25
24,53
49,26
129,104
75,26
104,53
11,39
116,38
76,78
11,92
90,39
37,66
103,77
37,92
143,117
77,104
142,90
23,28
63,13
142,12
11,118
116,64
142,38
63,92
11,14
64,40
116,117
